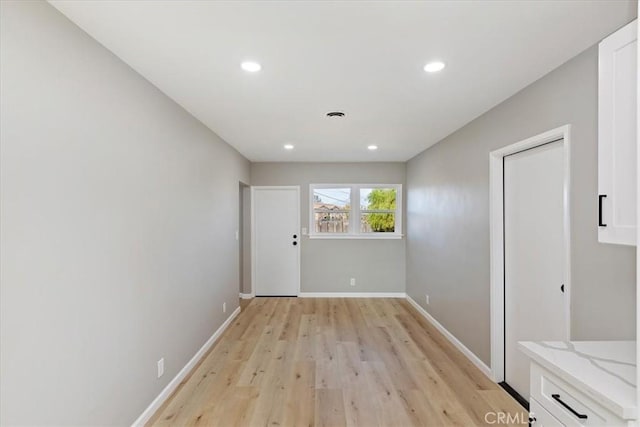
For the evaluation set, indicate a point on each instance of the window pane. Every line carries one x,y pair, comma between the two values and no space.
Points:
377,223
373,199
332,199
378,199
331,208
331,222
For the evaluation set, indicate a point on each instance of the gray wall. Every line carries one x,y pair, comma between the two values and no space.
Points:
327,265
448,214
118,215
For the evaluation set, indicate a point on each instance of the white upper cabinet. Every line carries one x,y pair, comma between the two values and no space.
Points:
617,128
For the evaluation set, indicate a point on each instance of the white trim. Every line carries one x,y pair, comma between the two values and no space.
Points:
638,222
246,296
175,382
355,213
496,219
376,236
352,295
252,220
253,230
455,341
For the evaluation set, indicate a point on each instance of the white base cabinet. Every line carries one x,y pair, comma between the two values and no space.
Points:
582,383
560,404
540,417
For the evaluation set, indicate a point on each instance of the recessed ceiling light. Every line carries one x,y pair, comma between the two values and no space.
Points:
372,147
288,146
434,67
251,66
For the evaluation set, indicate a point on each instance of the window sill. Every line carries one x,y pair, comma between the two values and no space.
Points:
356,236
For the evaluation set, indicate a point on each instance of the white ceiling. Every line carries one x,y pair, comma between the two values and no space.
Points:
361,57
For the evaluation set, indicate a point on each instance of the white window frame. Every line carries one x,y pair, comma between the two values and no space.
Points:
354,218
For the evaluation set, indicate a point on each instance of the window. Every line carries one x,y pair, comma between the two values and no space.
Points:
378,210
355,211
331,210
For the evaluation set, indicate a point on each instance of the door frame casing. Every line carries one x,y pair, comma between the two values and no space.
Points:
253,231
496,237
246,231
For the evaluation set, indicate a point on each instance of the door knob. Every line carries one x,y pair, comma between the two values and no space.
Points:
295,243
295,236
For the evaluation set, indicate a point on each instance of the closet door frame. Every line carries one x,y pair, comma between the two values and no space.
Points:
496,237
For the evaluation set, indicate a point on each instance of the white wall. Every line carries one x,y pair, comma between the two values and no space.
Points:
118,213
327,265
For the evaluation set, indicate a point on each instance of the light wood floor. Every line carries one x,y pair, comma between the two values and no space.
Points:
334,362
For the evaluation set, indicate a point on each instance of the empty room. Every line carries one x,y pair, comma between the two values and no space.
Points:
318,213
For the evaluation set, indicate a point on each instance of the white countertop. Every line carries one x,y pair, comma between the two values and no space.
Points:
603,370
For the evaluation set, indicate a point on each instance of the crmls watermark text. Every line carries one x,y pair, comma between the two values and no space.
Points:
506,418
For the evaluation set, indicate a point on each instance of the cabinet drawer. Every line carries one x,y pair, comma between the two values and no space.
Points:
542,417
568,405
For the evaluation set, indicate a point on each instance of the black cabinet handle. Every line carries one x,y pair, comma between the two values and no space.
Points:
600,197
295,243
295,236
556,397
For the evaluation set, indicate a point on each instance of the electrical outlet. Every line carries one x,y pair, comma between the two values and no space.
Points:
224,307
426,297
353,281
160,367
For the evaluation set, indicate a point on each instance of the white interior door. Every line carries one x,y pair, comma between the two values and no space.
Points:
534,255
276,240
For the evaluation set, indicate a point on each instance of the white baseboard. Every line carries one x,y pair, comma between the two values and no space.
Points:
246,296
175,382
455,341
352,295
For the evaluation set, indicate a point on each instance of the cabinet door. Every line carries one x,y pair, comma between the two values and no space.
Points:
617,164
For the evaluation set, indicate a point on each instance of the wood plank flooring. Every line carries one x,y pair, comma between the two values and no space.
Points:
334,362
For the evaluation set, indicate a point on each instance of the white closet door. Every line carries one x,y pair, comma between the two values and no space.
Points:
534,255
